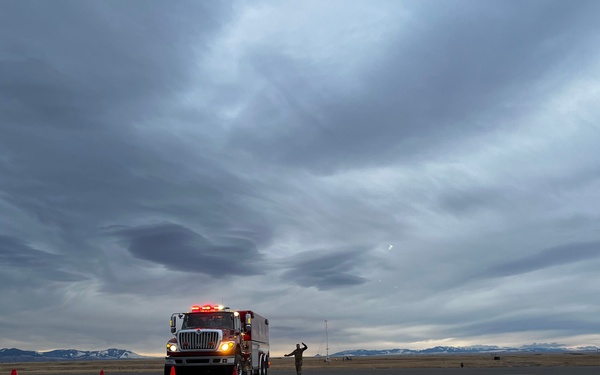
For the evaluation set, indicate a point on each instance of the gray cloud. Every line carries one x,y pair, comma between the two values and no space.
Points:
473,200
325,269
552,322
181,249
424,93
555,256
19,258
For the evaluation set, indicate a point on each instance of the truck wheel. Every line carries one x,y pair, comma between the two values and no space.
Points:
237,365
264,366
167,370
257,370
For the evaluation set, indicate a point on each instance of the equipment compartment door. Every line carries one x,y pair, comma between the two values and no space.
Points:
255,355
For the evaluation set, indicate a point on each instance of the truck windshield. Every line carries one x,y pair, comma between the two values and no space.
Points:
208,320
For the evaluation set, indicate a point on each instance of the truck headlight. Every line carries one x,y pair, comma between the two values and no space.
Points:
171,347
226,346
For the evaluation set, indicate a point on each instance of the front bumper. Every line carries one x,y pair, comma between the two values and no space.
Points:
200,361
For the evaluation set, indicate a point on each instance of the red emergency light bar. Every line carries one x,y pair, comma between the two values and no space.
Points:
206,308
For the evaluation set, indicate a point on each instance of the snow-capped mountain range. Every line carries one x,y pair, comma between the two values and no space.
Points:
475,349
18,355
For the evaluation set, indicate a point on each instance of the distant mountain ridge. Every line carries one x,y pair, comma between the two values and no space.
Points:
475,349
18,355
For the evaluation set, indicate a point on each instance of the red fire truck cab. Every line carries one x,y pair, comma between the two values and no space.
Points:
217,340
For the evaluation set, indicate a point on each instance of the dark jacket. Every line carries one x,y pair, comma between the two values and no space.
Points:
297,353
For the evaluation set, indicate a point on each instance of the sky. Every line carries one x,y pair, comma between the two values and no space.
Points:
415,173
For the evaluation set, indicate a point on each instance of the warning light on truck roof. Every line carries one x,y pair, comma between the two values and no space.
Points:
206,308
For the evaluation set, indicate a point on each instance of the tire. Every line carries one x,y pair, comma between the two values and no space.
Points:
259,371
264,366
238,365
167,370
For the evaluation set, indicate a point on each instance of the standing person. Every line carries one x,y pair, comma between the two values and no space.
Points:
297,353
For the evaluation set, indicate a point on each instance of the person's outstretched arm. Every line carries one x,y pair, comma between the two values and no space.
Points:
305,347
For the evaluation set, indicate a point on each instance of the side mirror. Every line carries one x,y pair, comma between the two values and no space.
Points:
173,324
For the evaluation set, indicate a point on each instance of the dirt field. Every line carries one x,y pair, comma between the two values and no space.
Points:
387,362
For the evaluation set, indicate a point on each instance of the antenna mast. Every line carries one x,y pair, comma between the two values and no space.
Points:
326,343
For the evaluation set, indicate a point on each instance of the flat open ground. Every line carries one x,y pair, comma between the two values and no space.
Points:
367,364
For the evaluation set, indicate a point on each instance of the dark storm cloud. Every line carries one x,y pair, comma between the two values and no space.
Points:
79,85
325,269
73,65
19,258
85,143
465,67
181,249
555,256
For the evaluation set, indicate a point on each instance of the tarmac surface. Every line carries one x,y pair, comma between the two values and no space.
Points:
586,370
566,370
418,365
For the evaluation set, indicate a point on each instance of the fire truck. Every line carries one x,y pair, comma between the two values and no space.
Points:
217,340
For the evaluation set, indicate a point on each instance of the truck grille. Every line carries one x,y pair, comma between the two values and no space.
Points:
195,340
